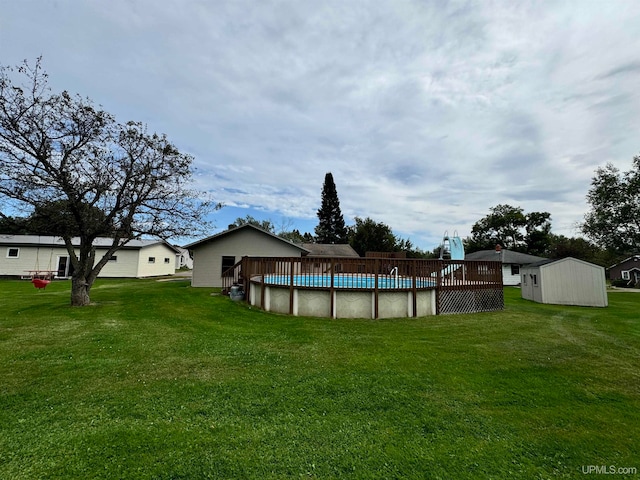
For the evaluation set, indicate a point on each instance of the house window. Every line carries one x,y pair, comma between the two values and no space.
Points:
625,274
13,252
113,258
167,260
524,279
152,259
535,280
227,264
515,269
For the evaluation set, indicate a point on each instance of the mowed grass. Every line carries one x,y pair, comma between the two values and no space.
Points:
160,380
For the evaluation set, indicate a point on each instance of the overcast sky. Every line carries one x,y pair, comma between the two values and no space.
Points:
427,113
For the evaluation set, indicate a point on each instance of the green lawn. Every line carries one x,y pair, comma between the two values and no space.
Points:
160,380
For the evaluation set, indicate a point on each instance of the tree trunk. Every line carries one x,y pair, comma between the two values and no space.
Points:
80,291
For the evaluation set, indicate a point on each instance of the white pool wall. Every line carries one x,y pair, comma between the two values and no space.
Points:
347,303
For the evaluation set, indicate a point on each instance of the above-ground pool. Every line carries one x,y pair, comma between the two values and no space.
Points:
350,295
346,280
369,287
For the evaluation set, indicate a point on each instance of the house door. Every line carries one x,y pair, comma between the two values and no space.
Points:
65,269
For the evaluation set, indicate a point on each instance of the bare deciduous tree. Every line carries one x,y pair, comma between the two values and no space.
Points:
60,151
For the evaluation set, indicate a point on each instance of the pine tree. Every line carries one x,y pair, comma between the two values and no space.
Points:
331,227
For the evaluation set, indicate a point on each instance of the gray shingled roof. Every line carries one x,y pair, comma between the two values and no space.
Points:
541,262
235,229
330,250
555,260
505,256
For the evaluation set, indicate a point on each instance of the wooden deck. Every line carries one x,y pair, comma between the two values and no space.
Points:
462,286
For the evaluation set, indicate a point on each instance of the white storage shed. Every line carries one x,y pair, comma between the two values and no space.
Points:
567,281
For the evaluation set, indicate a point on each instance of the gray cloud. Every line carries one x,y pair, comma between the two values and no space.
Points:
426,113
632,68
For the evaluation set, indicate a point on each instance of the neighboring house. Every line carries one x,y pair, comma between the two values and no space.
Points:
628,269
567,281
512,262
183,259
215,255
24,254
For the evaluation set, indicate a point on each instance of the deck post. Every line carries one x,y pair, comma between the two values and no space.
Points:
246,284
262,287
291,286
334,313
414,289
439,285
375,289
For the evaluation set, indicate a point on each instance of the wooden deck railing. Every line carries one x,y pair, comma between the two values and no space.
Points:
381,273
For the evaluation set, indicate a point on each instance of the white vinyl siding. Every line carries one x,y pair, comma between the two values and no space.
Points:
30,258
566,282
158,251
508,275
125,263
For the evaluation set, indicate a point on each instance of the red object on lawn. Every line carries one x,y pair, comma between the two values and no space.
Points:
40,283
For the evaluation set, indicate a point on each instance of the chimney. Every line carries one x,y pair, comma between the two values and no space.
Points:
498,249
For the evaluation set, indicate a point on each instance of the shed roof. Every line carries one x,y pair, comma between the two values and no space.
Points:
540,263
504,256
559,260
233,230
330,250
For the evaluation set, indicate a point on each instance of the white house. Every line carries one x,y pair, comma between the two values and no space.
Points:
567,281
183,258
215,255
21,255
512,262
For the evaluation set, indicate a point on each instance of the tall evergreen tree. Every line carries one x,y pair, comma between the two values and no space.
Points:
331,227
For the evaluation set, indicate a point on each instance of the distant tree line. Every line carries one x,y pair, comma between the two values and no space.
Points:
611,225
512,228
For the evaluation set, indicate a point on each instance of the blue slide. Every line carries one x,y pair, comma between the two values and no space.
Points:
456,248
456,251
